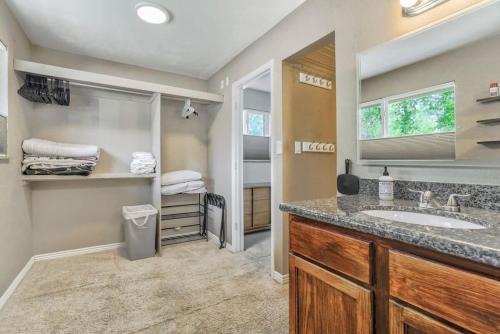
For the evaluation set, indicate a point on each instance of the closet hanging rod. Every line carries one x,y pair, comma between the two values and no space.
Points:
106,80
119,90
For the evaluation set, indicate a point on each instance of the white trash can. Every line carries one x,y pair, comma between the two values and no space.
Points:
140,231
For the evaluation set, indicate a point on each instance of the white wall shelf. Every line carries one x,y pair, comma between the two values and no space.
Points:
95,176
114,82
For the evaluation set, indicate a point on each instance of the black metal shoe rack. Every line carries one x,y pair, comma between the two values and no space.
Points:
169,228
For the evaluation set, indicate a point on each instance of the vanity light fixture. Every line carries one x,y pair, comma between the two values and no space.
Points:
152,13
416,7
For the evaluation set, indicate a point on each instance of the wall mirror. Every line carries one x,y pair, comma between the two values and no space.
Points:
425,97
4,91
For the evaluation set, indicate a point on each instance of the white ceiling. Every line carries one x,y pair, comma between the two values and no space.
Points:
202,37
262,84
471,26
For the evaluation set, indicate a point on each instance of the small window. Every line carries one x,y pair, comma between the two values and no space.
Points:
424,112
371,122
256,123
418,125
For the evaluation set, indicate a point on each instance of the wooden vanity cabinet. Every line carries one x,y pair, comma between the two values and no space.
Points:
322,302
257,209
404,320
344,281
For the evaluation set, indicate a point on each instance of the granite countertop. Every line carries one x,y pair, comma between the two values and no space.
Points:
479,245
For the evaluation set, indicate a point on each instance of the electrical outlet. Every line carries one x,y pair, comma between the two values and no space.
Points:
222,84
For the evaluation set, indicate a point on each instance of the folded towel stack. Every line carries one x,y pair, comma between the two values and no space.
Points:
182,182
43,157
142,163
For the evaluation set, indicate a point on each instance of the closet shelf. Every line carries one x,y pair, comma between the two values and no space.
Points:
113,82
489,99
489,121
95,176
489,142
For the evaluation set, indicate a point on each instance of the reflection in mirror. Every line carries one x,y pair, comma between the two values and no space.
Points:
419,94
3,100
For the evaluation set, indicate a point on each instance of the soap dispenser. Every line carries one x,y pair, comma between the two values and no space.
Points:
386,186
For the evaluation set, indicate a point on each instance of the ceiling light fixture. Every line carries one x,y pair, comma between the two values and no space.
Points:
408,3
416,7
152,13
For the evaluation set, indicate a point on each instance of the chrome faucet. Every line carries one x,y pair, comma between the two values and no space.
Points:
428,201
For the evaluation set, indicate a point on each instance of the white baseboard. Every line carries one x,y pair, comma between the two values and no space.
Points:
280,278
12,287
215,239
78,251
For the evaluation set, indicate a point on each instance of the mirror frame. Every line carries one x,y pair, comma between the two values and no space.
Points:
4,90
413,163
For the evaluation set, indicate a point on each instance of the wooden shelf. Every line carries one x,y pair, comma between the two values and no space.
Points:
96,176
489,99
489,121
114,82
489,142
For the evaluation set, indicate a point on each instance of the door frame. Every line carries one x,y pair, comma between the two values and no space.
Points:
237,221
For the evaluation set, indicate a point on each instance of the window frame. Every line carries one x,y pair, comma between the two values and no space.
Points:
384,102
267,130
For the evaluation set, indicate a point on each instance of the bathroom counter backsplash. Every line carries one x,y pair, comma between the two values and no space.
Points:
481,245
482,196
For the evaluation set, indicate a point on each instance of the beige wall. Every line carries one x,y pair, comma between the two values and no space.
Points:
310,22
472,68
85,63
68,215
184,143
15,198
358,25
308,115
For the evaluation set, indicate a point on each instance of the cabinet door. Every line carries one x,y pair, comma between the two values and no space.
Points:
322,302
406,321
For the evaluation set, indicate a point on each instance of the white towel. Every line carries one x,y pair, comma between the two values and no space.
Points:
142,163
180,176
46,148
142,155
53,163
179,188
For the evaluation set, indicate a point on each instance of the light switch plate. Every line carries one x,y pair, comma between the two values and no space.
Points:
279,147
298,147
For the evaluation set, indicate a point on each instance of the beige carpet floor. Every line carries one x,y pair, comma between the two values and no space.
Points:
193,288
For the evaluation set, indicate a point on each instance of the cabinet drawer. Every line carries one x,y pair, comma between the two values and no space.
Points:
261,193
337,251
468,300
262,205
261,219
248,221
247,194
247,207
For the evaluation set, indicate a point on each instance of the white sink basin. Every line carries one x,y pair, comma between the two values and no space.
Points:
423,219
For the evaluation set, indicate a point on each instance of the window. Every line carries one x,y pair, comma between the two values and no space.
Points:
256,123
419,113
418,125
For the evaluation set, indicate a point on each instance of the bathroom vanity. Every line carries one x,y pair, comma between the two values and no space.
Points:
355,273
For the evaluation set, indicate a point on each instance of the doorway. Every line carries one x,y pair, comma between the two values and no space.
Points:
252,228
